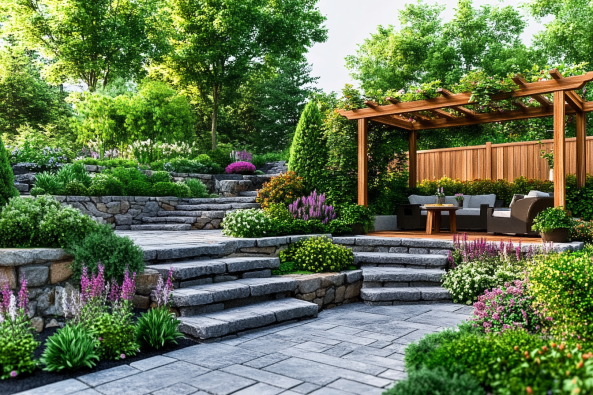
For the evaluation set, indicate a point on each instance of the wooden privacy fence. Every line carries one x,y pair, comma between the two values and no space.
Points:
497,161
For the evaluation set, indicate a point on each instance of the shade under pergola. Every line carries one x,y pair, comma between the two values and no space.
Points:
450,110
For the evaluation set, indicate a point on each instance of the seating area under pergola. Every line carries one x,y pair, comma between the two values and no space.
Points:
451,110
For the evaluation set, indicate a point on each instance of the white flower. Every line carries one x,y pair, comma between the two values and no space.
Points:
12,308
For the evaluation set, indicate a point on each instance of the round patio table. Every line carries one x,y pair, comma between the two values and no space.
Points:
433,218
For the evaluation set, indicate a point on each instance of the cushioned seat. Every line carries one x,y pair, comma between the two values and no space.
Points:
502,214
518,219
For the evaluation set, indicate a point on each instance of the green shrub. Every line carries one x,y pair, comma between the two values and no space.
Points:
139,188
42,222
284,189
7,189
75,188
246,223
436,381
18,346
319,254
258,173
106,185
71,347
179,189
221,156
197,188
49,183
354,214
561,285
74,173
115,252
157,328
36,191
204,159
159,176
550,219
279,212
582,231
127,175
117,333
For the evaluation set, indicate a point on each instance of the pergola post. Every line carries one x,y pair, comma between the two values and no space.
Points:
581,146
363,131
559,149
413,159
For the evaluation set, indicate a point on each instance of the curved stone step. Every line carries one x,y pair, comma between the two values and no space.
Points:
239,289
196,268
216,207
221,200
400,260
248,193
165,220
386,296
170,227
215,325
401,274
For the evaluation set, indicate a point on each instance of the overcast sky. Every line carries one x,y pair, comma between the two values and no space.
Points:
349,22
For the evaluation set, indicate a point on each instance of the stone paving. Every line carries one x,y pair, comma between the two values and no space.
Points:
351,349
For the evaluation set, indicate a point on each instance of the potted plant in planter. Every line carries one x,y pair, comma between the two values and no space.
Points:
553,224
440,196
549,157
459,198
358,217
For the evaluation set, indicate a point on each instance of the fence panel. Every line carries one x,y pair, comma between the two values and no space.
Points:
496,161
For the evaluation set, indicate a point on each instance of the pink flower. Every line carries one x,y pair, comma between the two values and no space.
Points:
123,356
100,339
240,168
13,373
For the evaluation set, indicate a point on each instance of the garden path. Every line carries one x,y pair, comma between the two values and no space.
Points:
351,349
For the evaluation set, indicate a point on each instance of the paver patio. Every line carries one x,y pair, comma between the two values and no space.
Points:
351,349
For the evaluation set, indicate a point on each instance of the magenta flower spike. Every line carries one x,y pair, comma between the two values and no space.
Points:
23,296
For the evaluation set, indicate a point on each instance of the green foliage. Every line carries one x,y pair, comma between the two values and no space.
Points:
117,333
36,191
179,189
75,172
157,328
75,188
308,152
393,193
436,381
260,160
582,231
579,201
353,214
126,175
279,212
319,254
182,165
106,185
284,189
560,284
159,176
49,183
139,188
70,348
7,189
18,346
550,219
42,222
247,223
197,188
115,252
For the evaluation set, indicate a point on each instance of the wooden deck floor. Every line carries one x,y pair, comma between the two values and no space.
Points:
420,234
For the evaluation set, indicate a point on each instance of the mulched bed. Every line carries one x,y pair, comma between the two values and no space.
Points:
40,378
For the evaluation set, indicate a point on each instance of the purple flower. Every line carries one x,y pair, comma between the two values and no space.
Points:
123,356
100,339
23,296
312,207
240,168
13,373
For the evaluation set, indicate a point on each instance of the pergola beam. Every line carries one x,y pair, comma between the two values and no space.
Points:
460,109
572,98
559,149
520,81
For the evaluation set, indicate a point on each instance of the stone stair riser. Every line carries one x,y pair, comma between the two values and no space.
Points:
404,294
400,284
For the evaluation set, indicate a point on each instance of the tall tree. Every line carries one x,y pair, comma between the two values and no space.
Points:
93,41
216,44
7,189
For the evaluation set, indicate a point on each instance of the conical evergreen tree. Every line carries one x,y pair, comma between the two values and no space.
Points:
7,189
308,152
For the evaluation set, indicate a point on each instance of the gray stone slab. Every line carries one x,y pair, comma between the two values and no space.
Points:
258,274
354,387
333,361
381,258
272,241
328,391
377,361
267,345
151,363
64,387
108,375
395,375
312,346
240,319
250,263
152,380
266,360
214,355
353,276
266,286
287,309
260,389
427,243
191,269
305,388
179,389
403,274
203,327
219,383
378,241
89,391
390,294
344,240
262,376
191,297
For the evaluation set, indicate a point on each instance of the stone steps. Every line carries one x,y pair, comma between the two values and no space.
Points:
168,227
404,295
216,207
194,269
386,259
248,193
222,200
396,277
222,323
165,220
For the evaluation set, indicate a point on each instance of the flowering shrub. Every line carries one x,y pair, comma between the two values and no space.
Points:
506,308
582,231
319,254
246,223
159,326
242,156
561,284
312,207
240,168
38,158
17,343
285,189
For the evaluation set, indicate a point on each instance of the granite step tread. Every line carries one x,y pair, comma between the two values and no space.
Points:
195,268
164,220
169,227
401,274
248,193
216,207
411,294
385,258
220,292
221,200
215,325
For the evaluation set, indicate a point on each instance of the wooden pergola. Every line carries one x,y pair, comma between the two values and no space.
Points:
450,110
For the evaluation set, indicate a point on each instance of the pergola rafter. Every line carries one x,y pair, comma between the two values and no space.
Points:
416,115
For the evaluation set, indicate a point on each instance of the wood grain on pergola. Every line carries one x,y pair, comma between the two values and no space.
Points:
454,109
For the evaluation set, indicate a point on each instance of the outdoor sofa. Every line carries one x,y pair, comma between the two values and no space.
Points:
472,216
518,218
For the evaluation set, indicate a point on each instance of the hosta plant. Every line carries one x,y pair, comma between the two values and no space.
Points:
72,347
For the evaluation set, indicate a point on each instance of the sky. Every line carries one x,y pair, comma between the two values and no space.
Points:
349,22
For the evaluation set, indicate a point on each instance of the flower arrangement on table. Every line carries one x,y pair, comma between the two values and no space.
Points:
459,198
440,195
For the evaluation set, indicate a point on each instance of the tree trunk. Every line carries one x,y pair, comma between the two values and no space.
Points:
214,116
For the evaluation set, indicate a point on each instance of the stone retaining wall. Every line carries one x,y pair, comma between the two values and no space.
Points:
328,290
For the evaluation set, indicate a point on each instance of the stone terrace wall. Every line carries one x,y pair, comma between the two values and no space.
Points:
328,290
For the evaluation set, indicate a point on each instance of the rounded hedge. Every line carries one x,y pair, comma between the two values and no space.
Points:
319,254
